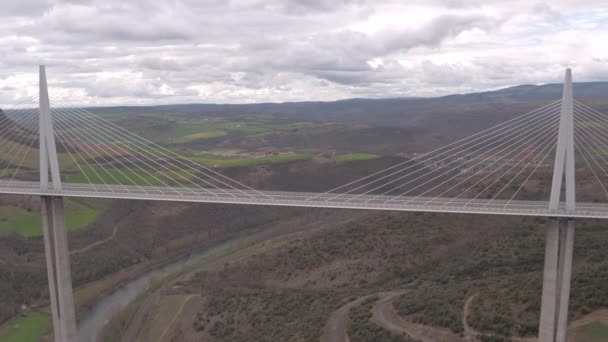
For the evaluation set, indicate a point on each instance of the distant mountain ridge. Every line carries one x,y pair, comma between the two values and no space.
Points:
519,93
464,113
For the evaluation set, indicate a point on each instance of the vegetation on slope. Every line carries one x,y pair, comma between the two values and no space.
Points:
361,329
265,314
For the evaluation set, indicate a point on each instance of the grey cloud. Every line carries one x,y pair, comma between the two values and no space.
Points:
313,6
272,50
109,23
25,8
343,57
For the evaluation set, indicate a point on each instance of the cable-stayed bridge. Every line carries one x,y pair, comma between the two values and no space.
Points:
520,167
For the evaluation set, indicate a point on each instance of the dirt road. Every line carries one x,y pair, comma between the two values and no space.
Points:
384,314
336,328
177,314
95,244
469,333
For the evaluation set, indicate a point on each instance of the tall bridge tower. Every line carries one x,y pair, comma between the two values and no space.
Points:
560,235
53,221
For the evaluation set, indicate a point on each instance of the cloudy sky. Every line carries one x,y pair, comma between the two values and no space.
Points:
240,51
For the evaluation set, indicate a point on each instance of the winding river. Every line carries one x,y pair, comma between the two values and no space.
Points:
93,321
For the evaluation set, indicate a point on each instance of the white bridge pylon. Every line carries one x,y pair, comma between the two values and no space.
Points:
560,234
53,221
485,173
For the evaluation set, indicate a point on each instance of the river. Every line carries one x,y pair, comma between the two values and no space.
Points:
93,321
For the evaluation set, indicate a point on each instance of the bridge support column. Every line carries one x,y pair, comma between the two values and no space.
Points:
560,236
53,221
58,269
556,281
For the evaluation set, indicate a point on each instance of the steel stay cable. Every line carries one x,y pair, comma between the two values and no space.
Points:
13,134
581,147
580,104
22,120
33,139
126,142
478,163
545,144
135,140
16,141
545,134
93,143
511,138
521,143
99,130
484,133
15,144
61,139
526,181
14,122
77,164
588,116
25,104
597,137
105,141
482,143
85,150
544,151
592,147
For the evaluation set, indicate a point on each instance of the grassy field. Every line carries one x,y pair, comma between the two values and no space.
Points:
217,161
27,329
29,223
595,330
198,135
356,156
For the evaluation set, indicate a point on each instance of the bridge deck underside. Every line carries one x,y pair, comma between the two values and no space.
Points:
314,200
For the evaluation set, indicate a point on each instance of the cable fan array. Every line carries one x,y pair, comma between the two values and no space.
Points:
508,162
497,163
19,142
106,156
591,145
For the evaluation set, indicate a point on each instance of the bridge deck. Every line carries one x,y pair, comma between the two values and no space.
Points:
314,200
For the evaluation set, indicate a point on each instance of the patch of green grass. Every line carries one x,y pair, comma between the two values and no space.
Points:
80,214
251,129
356,156
26,223
595,329
224,162
199,135
27,329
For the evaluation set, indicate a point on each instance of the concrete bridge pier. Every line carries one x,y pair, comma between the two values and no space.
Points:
58,269
560,234
556,281
53,221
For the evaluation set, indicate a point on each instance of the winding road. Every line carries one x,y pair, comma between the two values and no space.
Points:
385,315
96,243
177,314
469,332
336,328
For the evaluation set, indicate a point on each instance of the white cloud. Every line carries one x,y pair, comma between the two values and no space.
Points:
115,52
